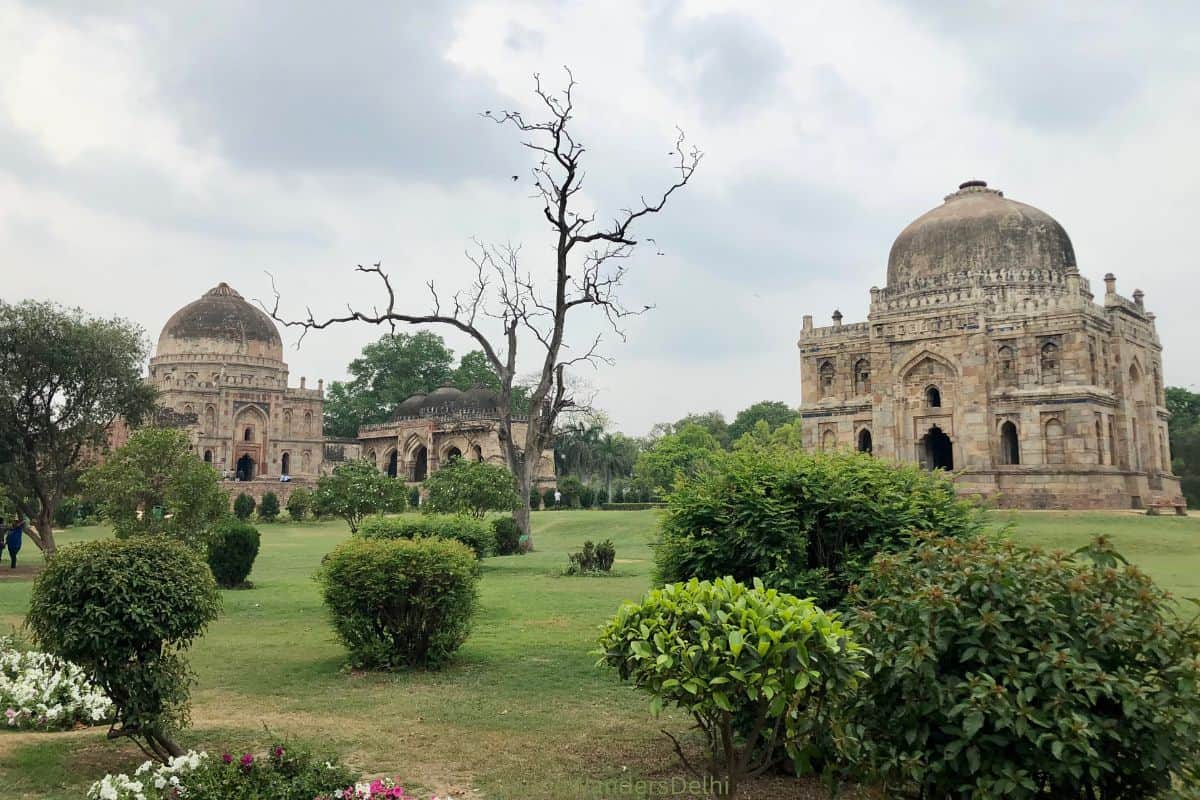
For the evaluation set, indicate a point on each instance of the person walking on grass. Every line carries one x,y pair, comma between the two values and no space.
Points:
13,540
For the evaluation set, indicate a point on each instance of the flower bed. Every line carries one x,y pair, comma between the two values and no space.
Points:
285,773
41,691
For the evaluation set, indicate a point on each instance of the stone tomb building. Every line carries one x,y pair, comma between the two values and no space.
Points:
987,354
426,431
220,360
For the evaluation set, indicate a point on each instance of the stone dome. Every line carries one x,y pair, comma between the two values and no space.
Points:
978,228
220,323
410,407
448,399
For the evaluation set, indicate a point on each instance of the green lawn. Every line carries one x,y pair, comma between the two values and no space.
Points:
521,713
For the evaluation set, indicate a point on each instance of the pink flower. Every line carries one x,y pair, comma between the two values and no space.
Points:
277,751
228,759
246,761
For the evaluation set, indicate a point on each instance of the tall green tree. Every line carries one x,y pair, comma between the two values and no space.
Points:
155,484
614,455
355,490
772,412
65,377
712,421
677,454
1184,429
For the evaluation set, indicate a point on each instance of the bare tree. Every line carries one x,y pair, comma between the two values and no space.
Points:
590,267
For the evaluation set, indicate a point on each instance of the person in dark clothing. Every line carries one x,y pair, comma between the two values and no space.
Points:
13,540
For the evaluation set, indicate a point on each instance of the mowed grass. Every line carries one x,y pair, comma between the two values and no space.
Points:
521,713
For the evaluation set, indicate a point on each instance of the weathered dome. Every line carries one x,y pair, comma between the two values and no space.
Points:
481,399
220,323
442,397
410,407
978,228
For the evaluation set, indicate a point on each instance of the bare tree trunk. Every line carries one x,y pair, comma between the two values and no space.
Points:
44,537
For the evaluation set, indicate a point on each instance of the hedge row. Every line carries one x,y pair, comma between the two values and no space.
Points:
630,506
476,534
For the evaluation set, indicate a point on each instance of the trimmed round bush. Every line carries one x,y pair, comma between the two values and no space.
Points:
734,656
125,610
400,603
268,509
508,536
1004,672
243,506
805,523
231,553
474,533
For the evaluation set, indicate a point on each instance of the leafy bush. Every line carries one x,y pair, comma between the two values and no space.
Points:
154,484
124,610
268,509
470,487
414,498
535,499
601,496
231,553
712,649
357,489
587,495
571,488
548,500
286,772
298,503
400,603
243,506
805,523
44,692
592,559
508,536
632,506
998,671
474,533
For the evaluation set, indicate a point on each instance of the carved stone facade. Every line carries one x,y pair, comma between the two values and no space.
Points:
986,355
426,431
220,360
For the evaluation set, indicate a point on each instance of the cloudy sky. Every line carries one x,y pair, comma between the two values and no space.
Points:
149,151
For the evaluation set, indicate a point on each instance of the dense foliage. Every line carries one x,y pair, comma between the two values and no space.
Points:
676,455
548,499
470,487
1003,672
1184,428
243,506
298,503
400,603
805,523
154,484
64,378
125,610
471,531
593,559
508,536
717,649
771,413
357,489
231,553
268,509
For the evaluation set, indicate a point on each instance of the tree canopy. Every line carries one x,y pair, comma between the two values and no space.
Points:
64,378
470,487
677,454
357,489
1184,428
772,412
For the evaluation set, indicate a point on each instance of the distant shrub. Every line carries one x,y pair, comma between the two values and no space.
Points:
718,649
268,509
470,487
243,506
298,503
1004,672
474,533
805,523
231,552
414,498
592,559
601,496
125,610
632,506
548,499
355,490
570,488
587,495
400,603
508,536
535,500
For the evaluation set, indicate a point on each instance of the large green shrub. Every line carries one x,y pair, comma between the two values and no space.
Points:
508,536
720,648
470,487
268,509
231,552
356,489
1003,672
400,603
243,506
125,610
298,503
474,533
807,524
548,501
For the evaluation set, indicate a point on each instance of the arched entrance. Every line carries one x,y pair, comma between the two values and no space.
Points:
452,454
478,453
393,462
420,462
864,441
208,458
285,464
245,468
1010,447
937,450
